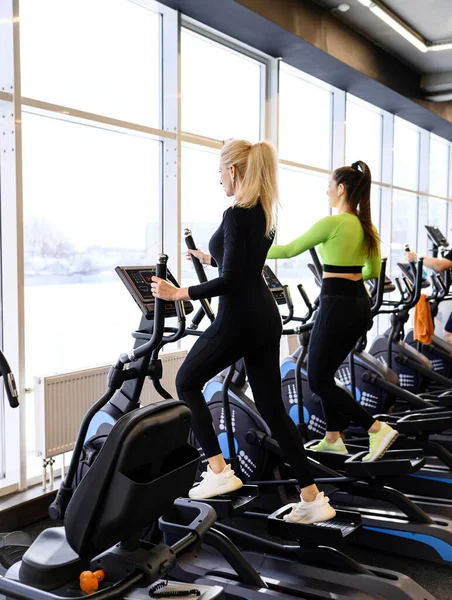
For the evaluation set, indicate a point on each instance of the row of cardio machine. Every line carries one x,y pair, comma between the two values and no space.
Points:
127,519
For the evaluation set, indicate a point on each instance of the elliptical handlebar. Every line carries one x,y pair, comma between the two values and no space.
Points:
289,302
380,288
10,382
201,274
299,329
308,303
417,270
317,264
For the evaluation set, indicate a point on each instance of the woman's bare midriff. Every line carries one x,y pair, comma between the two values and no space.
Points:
351,276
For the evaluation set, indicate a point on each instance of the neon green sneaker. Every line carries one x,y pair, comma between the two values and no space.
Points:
337,447
380,442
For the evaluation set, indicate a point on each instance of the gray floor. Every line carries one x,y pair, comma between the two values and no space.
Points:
437,579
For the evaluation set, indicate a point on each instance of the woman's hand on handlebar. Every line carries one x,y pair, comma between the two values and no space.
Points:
165,290
203,257
411,257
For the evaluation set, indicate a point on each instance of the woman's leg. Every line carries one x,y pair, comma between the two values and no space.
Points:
262,366
215,350
339,324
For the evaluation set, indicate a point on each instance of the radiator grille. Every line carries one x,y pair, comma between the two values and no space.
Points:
62,400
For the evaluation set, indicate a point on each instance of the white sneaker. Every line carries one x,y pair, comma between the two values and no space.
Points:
316,511
215,484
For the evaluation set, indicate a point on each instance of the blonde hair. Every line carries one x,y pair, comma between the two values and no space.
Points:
257,168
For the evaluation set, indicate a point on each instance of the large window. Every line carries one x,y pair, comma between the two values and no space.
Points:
303,197
437,214
406,155
362,117
304,119
404,227
439,166
98,56
203,202
91,203
221,90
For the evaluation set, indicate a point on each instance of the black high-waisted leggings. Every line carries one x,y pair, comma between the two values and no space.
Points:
235,335
343,317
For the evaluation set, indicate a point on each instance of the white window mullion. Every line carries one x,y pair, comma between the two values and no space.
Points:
338,124
12,243
423,202
170,215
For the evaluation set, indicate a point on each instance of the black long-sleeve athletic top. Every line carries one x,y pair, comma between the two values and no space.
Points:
239,248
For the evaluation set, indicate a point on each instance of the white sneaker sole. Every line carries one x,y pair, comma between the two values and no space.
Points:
325,514
384,446
231,485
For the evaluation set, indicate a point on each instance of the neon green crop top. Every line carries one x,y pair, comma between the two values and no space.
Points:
341,243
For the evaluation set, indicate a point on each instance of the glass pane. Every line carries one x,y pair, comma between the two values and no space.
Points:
91,202
404,227
437,214
221,90
439,166
359,147
203,202
304,121
98,56
406,155
301,193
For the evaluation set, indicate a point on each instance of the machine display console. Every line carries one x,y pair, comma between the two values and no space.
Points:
138,281
274,285
436,236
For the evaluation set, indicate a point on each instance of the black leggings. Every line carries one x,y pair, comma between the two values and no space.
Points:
221,345
344,316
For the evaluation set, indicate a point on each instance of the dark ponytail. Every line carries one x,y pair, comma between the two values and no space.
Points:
357,180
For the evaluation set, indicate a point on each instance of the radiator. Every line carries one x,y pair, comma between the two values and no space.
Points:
62,400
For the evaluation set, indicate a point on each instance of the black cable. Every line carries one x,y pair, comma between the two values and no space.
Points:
154,593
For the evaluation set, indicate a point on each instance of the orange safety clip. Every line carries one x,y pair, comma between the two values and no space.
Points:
89,581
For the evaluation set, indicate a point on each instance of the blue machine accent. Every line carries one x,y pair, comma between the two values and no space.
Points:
286,367
211,389
293,414
99,419
443,479
216,386
223,441
357,392
442,548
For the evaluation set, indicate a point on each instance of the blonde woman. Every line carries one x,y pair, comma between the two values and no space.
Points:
247,325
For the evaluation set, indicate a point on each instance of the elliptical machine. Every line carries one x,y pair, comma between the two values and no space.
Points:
145,461
439,352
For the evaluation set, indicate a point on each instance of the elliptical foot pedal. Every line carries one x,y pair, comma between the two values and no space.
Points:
329,533
393,463
13,546
235,503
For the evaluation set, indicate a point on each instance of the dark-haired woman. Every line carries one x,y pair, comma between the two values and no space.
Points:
350,249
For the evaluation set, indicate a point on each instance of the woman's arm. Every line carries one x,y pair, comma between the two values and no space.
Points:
233,260
318,233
